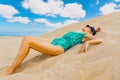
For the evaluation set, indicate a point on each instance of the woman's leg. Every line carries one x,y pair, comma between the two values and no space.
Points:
39,45
40,38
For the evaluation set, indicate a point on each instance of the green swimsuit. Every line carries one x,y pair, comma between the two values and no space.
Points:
68,40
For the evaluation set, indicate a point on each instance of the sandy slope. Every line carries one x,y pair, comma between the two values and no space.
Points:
101,62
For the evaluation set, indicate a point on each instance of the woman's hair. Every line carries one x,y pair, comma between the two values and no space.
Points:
88,25
92,29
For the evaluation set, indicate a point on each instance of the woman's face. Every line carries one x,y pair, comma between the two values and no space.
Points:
84,29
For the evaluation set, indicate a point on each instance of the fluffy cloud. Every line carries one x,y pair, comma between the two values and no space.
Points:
41,7
24,20
117,0
41,20
7,11
109,8
54,7
72,10
47,23
57,25
67,22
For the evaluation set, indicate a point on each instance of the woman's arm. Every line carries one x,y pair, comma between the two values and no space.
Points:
92,40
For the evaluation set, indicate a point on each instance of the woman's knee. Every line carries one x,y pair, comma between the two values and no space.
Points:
27,39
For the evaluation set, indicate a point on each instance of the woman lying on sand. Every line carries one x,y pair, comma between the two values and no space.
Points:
56,46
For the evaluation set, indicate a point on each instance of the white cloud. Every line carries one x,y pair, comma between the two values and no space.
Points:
25,4
47,23
117,0
68,22
57,25
97,2
72,10
54,7
109,8
41,20
24,20
41,7
7,11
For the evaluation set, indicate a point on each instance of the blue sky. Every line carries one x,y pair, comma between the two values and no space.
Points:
41,16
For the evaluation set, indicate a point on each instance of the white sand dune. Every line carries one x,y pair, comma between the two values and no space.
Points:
100,62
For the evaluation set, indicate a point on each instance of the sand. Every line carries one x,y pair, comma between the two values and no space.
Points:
100,62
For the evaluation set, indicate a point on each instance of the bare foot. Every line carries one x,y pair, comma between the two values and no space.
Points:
6,71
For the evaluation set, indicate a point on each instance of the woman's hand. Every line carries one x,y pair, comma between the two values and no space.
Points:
84,47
